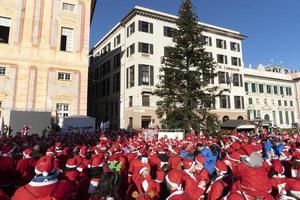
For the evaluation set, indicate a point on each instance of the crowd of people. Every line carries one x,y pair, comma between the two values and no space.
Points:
117,165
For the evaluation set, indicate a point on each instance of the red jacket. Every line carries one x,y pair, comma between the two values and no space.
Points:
178,195
7,171
25,169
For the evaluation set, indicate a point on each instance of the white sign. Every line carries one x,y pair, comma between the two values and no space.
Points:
174,135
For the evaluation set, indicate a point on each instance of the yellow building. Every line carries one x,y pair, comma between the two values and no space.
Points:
43,55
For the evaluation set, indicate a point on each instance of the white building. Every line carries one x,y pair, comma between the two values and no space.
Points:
272,93
125,63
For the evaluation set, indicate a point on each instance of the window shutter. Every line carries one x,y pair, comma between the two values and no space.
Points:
140,74
228,101
140,25
151,75
127,77
243,104
241,80
127,31
210,43
127,52
225,59
238,45
225,45
151,27
227,78
165,31
140,47
151,48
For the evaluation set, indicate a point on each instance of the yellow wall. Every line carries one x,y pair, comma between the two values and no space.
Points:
33,58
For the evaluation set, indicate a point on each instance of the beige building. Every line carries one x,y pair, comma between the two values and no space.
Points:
43,56
272,93
125,63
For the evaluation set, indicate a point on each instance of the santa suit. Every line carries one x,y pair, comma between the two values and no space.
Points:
278,182
25,169
131,156
217,188
147,188
60,190
178,195
253,181
190,185
7,173
174,161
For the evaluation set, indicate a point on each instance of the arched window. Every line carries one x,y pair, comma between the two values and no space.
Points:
240,118
225,118
267,117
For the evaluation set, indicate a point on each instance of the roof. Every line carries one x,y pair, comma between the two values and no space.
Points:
138,10
237,124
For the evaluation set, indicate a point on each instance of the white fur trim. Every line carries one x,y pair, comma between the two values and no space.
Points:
175,193
37,184
294,173
295,192
174,185
71,166
143,169
230,158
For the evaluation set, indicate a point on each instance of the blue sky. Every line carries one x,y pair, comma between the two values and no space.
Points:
272,27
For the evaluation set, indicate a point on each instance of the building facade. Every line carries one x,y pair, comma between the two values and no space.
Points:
125,65
44,47
272,93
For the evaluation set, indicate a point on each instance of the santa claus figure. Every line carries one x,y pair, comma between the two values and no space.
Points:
45,184
174,181
25,130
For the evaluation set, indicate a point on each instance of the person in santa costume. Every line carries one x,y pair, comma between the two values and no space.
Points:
174,182
45,184
25,168
278,178
291,191
221,186
7,170
252,177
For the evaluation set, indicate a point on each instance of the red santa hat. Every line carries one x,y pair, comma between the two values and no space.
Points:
50,151
83,152
27,152
142,151
247,149
44,166
221,167
286,154
277,166
96,162
188,164
71,163
236,136
174,178
6,149
143,167
200,159
235,156
160,176
58,147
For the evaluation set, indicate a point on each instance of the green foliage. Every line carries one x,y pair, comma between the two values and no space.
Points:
186,72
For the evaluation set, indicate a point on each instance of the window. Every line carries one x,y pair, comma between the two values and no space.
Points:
105,87
268,89
273,102
285,102
5,24
265,101
281,90
145,48
287,120
66,40
239,102
288,91
117,40
225,101
261,88
280,117
275,89
291,103
253,87
237,80
105,68
68,7
130,29
293,116
106,49
274,116
2,70
168,31
145,27
130,77
146,75
130,123
246,87
206,40
167,51
235,61
64,76
257,100
146,100
221,43
117,61
130,50
235,46
223,77
62,110
279,102
250,101
221,59
130,101
116,82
